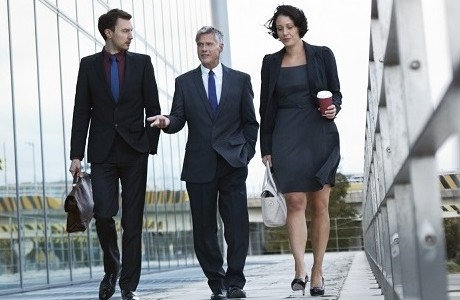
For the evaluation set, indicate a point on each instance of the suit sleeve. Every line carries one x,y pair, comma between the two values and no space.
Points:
151,104
81,114
177,115
265,127
250,124
332,77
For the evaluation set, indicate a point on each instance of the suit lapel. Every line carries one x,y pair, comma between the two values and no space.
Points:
100,71
226,85
312,67
313,58
198,82
129,70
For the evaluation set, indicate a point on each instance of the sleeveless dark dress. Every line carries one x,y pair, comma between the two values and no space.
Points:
306,147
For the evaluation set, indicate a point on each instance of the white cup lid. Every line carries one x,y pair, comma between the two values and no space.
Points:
324,94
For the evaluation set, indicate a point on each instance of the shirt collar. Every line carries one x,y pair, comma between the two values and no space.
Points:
217,70
120,55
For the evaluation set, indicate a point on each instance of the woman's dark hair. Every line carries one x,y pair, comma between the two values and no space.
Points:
109,20
296,14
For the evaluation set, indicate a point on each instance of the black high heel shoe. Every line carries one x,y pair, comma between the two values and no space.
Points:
317,291
299,285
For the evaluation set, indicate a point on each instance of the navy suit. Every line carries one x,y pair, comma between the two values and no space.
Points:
118,146
217,153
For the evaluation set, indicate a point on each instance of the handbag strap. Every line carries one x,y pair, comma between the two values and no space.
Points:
267,173
269,176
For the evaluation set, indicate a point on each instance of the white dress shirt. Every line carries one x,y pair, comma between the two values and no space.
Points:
217,76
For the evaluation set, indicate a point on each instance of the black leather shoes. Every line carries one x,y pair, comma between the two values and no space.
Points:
235,292
129,295
107,286
218,295
317,291
298,284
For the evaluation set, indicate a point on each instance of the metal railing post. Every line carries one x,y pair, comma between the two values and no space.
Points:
403,234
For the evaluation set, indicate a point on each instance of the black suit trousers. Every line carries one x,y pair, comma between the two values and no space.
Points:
227,192
129,167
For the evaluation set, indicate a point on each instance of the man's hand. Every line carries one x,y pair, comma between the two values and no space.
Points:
75,167
159,121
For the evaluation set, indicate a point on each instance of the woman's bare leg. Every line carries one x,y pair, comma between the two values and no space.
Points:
297,229
318,203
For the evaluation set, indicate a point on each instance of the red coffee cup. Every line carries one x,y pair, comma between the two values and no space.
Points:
325,100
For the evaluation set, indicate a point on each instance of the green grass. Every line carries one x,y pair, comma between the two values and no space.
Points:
452,267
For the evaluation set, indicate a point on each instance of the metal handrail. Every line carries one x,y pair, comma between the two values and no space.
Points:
403,235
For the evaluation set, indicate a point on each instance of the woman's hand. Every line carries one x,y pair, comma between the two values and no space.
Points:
330,112
266,158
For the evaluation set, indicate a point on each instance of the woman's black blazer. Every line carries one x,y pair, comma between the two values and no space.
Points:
322,75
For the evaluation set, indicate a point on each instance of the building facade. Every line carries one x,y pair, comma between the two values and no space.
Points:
42,44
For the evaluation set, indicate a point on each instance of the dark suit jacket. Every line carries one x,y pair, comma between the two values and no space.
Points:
322,75
94,104
232,133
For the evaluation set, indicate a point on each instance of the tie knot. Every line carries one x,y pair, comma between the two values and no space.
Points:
211,73
113,58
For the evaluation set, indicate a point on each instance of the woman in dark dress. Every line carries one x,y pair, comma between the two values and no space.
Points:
300,144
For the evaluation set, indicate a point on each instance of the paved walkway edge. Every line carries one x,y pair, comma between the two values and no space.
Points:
360,283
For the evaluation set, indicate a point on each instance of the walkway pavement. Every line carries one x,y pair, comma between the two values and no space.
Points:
347,277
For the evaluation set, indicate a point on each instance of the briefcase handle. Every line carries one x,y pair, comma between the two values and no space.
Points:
76,178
